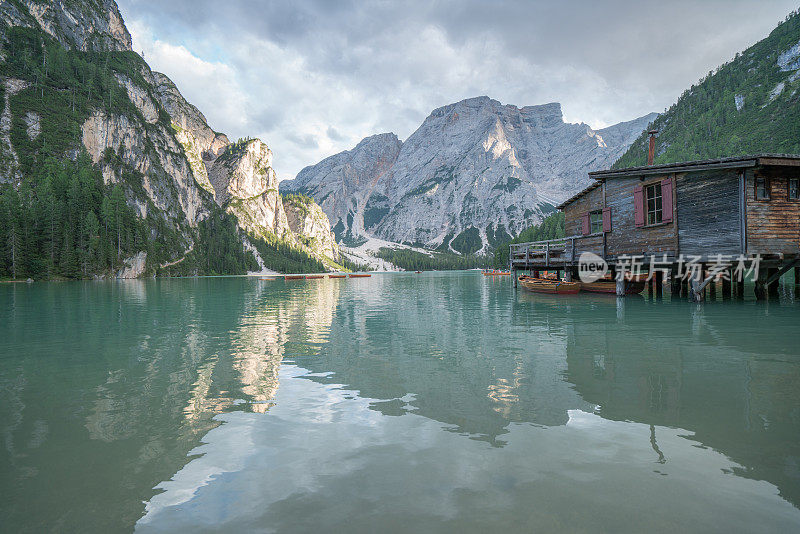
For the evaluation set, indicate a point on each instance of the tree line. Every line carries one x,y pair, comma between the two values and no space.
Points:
411,260
552,227
65,222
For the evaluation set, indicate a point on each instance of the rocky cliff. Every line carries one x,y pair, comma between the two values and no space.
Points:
136,127
473,173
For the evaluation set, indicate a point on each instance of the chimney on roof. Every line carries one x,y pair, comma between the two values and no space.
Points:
651,150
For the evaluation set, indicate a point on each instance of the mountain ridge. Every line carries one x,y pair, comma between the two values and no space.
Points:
473,173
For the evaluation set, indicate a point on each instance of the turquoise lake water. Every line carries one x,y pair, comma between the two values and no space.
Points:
438,402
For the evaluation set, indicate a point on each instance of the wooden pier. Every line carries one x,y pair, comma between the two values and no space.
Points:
701,210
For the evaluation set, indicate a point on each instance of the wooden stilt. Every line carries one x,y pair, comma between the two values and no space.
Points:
674,284
620,287
712,290
703,277
760,288
740,289
797,281
684,288
697,292
772,289
659,281
726,286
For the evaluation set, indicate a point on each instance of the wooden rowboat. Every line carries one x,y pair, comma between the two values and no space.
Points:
359,275
632,287
293,277
315,276
496,273
269,278
556,287
337,276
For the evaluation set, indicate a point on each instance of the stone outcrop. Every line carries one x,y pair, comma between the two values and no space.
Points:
307,220
476,169
246,185
9,160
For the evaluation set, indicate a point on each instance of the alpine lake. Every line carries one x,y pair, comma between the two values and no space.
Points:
433,402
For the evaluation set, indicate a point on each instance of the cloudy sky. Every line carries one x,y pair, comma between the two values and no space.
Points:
313,77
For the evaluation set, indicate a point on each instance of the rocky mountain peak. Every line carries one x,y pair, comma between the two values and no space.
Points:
473,173
243,170
86,26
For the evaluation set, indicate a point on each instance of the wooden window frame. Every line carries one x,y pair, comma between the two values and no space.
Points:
646,188
767,188
789,181
593,223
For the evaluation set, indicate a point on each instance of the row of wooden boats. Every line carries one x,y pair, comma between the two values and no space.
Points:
561,287
495,272
316,276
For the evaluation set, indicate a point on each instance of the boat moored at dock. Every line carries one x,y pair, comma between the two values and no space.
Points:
546,285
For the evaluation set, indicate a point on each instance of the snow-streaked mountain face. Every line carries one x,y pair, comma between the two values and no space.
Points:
473,173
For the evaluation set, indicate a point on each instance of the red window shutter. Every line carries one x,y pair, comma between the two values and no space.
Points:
638,205
606,219
586,225
666,200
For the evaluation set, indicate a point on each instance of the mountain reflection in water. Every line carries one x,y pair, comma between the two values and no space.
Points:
442,401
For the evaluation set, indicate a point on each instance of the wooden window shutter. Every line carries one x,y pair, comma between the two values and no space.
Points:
586,224
638,206
666,200
606,219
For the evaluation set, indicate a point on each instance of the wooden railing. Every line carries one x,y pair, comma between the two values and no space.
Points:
551,251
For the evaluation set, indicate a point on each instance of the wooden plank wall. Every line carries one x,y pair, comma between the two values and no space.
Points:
708,213
773,226
574,212
625,237
573,222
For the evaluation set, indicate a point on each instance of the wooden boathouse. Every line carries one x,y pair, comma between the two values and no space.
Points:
747,206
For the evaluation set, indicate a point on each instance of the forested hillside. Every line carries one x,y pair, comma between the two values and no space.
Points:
550,228
746,106
102,162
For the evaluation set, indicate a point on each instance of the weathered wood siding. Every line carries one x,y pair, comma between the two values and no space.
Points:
575,210
573,222
773,226
625,237
592,244
708,213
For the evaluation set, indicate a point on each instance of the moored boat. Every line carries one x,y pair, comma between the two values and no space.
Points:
293,277
493,272
337,276
545,285
314,276
632,287
359,275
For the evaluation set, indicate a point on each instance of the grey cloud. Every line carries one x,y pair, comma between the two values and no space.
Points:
334,135
303,141
372,66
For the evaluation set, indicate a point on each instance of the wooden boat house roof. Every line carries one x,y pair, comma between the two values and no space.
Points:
579,194
738,162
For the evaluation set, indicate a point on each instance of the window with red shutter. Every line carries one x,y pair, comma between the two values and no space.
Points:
666,200
606,219
638,206
585,228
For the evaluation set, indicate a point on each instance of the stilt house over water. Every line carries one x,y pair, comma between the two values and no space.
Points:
747,205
